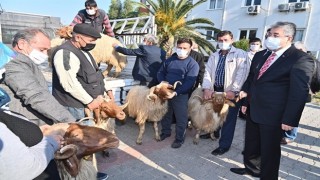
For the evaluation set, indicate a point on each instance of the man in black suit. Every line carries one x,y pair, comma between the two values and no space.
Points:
148,61
278,84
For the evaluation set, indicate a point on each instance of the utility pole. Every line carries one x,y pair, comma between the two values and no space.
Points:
1,11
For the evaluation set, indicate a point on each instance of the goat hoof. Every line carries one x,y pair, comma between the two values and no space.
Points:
138,143
157,138
196,141
106,153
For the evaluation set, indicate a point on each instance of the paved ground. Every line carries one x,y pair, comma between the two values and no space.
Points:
157,160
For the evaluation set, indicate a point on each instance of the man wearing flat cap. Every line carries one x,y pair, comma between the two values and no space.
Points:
76,80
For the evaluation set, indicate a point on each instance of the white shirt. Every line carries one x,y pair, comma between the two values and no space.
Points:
279,53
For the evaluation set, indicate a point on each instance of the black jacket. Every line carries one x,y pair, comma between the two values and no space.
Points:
148,62
279,95
200,60
90,78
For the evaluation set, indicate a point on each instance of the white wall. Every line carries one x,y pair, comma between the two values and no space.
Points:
235,17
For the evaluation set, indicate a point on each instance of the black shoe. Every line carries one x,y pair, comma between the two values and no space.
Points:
244,171
102,176
176,144
205,136
219,151
164,136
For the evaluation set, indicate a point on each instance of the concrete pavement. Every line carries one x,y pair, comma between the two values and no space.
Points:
157,160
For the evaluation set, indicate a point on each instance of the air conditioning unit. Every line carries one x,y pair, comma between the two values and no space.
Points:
253,9
301,6
284,7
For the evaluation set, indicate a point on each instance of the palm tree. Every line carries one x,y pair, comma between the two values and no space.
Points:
170,17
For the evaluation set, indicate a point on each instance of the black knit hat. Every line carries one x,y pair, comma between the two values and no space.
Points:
87,30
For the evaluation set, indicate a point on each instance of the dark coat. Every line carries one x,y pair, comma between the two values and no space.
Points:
202,68
148,62
279,95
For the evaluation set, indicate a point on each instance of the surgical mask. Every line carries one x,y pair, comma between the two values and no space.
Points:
254,47
38,57
182,53
224,45
272,43
88,47
91,12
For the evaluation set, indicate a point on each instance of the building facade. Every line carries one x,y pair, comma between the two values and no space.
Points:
11,22
252,18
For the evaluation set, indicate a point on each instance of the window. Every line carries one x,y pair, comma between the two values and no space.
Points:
299,35
293,1
247,33
210,36
7,35
252,2
215,4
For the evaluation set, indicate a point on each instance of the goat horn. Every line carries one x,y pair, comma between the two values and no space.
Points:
124,105
85,118
107,99
151,93
66,151
196,96
176,83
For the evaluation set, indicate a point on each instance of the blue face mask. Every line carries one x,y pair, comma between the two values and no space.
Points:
6,54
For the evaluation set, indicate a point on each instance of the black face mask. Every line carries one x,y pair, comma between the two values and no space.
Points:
88,47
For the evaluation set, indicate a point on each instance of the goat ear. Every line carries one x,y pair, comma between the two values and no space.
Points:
230,103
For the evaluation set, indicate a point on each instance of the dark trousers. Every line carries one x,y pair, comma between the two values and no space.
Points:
50,173
262,149
228,127
178,109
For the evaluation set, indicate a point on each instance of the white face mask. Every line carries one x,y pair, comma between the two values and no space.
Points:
38,57
182,53
224,45
272,43
254,47
91,11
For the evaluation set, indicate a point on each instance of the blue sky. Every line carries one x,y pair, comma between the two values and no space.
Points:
65,9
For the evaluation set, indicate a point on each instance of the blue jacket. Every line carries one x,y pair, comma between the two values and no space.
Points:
148,61
183,70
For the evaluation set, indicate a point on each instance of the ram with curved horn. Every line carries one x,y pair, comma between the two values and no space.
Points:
149,104
207,115
81,141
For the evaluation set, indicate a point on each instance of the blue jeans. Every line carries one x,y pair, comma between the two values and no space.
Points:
292,135
178,108
77,113
228,128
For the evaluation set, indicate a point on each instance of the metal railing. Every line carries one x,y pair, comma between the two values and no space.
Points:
130,31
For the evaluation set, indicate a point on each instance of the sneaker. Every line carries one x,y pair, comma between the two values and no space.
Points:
102,176
176,144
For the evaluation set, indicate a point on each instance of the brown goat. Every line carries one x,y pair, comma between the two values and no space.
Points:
81,141
207,115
